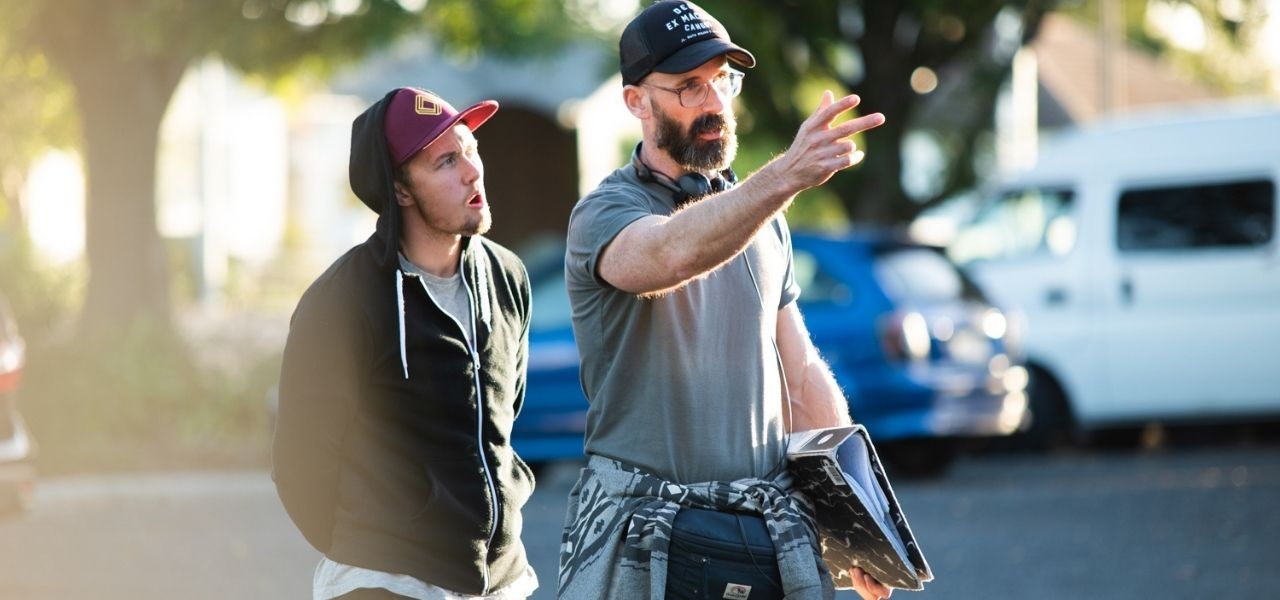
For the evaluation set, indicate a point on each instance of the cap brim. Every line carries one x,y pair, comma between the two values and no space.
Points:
692,56
476,114
473,116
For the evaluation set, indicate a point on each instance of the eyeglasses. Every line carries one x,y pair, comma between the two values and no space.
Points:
727,84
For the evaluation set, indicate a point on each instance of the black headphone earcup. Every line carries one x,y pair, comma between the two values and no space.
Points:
692,185
689,186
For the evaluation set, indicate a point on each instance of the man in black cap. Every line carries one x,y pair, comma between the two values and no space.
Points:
403,373
695,360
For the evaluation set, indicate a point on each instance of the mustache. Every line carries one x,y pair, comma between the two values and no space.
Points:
709,123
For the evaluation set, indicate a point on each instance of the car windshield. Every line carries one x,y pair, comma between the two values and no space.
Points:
921,276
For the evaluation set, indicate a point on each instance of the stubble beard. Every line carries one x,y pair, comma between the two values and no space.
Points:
478,226
472,224
692,154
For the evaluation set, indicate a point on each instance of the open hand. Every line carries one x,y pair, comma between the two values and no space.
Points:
821,149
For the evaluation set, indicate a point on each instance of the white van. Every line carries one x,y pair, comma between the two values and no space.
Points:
1143,255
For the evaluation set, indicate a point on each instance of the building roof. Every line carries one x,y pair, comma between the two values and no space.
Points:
1067,54
543,83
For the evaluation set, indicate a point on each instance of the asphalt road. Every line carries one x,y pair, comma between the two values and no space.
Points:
1189,523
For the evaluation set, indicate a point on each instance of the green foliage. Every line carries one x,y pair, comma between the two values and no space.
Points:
138,399
35,114
873,48
124,59
43,297
273,37
1231,33
136,392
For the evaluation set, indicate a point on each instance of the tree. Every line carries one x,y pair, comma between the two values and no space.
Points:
1221,43
892,53
33,118
124,59
936,68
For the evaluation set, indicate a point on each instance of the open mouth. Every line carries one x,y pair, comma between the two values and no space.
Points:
476,201
709,127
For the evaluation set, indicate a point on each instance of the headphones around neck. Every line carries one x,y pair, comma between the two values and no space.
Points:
689,186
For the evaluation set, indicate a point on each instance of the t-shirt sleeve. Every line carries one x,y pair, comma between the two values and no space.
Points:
595,221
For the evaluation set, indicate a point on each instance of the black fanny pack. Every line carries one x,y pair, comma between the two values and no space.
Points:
721,555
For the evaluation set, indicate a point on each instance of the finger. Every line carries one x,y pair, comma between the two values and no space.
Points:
823,104
827,99
860,578
858,125
874,586
848,155
868,586
828,109
853,159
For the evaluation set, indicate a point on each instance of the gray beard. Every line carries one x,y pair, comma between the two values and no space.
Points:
688,151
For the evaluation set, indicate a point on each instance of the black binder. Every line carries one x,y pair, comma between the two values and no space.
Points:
859,521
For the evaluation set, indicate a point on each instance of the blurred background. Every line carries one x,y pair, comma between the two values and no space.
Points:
173,175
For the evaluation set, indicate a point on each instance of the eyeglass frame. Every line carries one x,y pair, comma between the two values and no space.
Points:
732,76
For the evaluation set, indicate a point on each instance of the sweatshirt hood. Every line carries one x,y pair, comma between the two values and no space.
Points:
373,180
388,134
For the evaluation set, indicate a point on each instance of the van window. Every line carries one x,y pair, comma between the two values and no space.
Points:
1019,223
1240,213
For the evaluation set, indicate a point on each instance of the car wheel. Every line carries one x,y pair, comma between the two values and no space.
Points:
1117,439
927,457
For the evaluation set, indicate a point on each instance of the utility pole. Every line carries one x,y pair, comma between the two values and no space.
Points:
1110,56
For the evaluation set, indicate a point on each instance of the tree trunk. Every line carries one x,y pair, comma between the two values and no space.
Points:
878,199
884,88
128,277
121,96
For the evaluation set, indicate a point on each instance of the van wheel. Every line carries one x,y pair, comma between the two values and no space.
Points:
1052,424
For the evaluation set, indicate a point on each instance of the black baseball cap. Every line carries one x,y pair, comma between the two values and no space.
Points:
674,36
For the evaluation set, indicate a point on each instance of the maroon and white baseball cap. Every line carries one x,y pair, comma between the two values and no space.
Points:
415,118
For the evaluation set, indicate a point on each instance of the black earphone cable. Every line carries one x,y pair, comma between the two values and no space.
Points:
747,544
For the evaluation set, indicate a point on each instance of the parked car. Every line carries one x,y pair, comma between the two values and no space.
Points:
923,358
1143,252
17,470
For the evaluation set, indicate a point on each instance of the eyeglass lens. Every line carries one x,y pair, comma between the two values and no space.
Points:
727,84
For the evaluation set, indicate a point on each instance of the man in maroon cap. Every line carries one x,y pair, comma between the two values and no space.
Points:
695,359
403,372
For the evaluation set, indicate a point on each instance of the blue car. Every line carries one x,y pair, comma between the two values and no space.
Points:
923,358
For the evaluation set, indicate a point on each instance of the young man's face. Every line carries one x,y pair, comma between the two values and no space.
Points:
444,183
701,138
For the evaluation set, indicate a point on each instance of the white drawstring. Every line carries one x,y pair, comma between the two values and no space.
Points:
482,283
404,358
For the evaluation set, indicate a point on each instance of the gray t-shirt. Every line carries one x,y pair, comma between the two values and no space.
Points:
687,385
447,292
